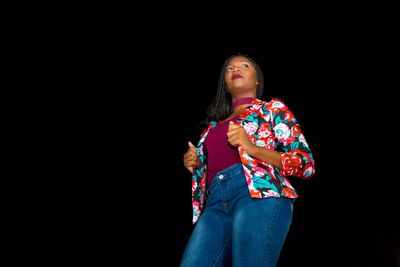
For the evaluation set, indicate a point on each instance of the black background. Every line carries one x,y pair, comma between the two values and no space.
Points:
99,100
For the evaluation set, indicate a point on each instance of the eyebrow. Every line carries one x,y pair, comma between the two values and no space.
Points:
240,62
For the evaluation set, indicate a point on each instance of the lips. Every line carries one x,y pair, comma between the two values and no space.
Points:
236,76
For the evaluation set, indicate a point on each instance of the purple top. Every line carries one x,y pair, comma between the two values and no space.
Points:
220,153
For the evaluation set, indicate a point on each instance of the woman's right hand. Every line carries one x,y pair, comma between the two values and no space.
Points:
190,158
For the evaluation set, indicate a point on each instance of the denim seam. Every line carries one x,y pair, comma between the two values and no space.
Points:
269,232
223,248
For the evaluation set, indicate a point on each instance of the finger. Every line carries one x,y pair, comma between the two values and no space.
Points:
189,157
234,128
191,145
191,163
232,132
190,169
190,152
234,140
192,156
187,161
233,125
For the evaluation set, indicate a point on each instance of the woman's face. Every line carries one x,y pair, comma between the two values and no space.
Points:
241,77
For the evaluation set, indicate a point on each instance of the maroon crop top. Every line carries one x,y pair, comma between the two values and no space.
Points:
220,153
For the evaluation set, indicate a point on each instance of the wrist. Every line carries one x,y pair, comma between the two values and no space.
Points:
253,150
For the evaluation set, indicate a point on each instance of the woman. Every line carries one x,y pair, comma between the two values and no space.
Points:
242,199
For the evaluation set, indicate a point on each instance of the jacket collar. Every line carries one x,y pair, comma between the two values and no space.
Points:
254,105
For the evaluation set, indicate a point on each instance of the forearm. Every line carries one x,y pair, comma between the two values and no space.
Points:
267,155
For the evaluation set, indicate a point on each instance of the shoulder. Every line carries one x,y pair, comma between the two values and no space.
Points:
275,105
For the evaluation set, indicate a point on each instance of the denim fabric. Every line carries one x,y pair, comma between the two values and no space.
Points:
235,229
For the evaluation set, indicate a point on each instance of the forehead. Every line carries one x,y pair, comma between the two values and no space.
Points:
238,59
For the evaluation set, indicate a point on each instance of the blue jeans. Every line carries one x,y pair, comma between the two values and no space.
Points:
235,229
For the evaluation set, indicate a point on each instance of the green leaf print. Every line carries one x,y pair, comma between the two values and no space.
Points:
262,183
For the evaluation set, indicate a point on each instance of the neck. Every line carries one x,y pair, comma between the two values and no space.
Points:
235,97
241,102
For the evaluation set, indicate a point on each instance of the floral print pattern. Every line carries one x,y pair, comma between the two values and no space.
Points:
271,125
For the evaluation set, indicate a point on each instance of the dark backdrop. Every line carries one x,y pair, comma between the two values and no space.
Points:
99,101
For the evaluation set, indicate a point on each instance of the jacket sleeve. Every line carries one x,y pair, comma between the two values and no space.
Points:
296,156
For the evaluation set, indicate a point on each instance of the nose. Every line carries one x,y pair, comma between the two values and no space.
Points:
236,69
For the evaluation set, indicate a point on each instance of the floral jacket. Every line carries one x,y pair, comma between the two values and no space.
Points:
270,125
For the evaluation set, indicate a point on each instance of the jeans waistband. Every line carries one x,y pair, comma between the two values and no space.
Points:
227,173
232,170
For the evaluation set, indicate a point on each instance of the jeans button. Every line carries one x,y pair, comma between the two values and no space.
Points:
220,176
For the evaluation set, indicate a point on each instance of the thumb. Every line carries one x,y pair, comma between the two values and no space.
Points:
190,144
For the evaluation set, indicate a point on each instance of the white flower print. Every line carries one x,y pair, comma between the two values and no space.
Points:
303,140
277,105
250,127
264,133
282,132
260,143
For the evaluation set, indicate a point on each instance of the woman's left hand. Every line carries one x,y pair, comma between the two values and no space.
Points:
238,136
